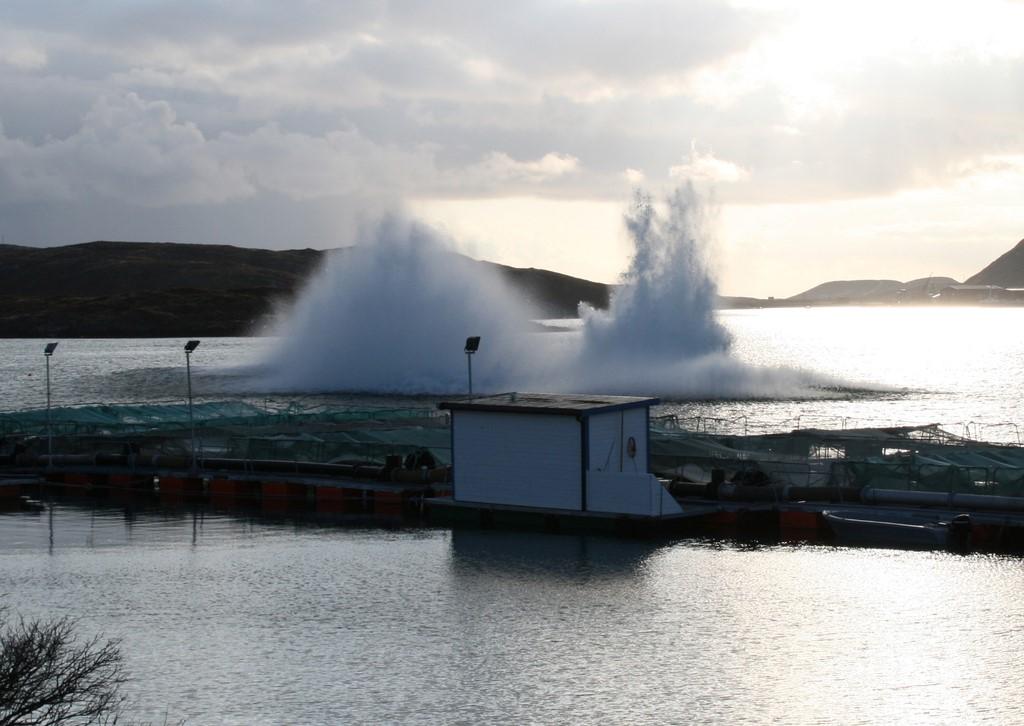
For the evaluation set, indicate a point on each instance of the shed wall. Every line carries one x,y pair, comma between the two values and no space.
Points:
608,436
520,459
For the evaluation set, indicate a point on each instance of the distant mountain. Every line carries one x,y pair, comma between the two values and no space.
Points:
552,294
1006,271
872,291
847,290
115,268
146,289
178,312
143,289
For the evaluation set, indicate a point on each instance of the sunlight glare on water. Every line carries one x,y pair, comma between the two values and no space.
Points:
942,349
241,620
959,367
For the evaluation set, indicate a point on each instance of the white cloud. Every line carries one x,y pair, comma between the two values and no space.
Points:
141,152
22,56
705,167
337,164
611,85
633,176
126,148
499,167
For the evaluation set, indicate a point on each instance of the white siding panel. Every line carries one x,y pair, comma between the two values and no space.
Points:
603,438
635,425
640,494
619,493
522,459
609,434
663,500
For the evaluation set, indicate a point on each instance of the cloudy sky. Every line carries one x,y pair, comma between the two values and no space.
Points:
837,139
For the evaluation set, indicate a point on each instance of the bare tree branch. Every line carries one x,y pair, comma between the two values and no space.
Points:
49,677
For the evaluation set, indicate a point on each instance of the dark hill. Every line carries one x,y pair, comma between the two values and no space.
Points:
142,289
179,312
113,268
1005,271
552,294
872,291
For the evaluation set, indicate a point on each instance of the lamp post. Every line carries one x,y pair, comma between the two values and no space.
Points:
472,344
47,352
189,347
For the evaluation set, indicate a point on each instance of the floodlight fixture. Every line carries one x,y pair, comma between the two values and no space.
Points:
472,345
189,347
47,352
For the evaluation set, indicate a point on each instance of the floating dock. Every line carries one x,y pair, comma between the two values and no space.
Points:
269,485
540,461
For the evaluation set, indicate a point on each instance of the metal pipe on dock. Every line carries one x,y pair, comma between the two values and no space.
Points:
372,472
949,500
749,493
794,493
731,491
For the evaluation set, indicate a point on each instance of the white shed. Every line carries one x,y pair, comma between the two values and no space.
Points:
579,453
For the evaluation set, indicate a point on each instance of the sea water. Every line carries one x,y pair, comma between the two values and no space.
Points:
962,367
228,618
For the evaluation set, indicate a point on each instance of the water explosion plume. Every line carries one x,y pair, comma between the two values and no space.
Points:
664,309
391,314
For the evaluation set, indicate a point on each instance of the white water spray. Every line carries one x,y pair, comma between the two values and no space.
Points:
664,309
660,334
391,316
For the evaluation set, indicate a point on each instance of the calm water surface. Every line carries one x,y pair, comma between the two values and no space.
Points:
234,620
237,620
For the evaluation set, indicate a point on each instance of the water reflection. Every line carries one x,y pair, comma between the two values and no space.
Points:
477,554
236,618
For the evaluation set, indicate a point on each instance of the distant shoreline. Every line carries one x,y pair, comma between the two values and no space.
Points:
754,304
58,322
147,289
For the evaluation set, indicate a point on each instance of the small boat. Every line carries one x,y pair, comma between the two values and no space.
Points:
888,527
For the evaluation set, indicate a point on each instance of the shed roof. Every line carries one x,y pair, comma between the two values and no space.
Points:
548,403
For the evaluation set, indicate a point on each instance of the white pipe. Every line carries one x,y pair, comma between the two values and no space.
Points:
950,500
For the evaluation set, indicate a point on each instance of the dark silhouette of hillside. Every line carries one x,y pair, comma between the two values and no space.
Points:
552,294
142,289
1006,271
114,268
146,289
